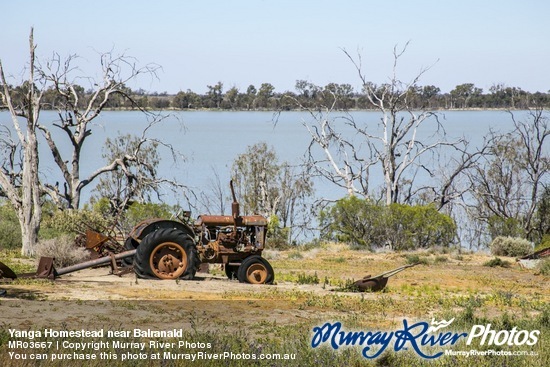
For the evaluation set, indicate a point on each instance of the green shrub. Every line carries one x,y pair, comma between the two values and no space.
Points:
541,221
10,231
416,259
137,212
364,224
497,261
511,246
504,227
76,221
71,222
419,226
277,236
544,243
355,221
543,267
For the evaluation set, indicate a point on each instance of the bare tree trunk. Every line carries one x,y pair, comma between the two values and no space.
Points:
23,187
31,206
400,148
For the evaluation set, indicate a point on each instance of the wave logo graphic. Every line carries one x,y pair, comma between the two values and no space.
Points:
419,337
435,325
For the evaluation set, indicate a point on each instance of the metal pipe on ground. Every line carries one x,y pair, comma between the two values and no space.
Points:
92,263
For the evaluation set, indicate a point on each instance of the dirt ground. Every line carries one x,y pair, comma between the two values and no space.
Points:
94,298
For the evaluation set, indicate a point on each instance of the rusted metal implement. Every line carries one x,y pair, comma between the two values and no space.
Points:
378,282
100,244
6,272
46,268
175,249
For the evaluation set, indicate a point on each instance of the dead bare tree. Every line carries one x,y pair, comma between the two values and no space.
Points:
509,182
398,148
54,86
77,113
272,189
451,177
135,177
332,154
216,195
19,176
342,162
344,150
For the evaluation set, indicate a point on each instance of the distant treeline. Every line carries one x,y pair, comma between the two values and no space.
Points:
333,95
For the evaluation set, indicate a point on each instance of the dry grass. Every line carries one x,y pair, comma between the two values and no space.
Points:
63,250
456,286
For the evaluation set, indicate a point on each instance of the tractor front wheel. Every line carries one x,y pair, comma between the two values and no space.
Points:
166,254
255,270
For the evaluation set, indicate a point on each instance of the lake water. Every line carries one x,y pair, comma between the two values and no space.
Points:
210,140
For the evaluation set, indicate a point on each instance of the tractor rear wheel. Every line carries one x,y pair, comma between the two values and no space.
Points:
129,244
166,254
255,270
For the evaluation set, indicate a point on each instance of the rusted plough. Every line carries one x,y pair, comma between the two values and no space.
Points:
378,282
99,244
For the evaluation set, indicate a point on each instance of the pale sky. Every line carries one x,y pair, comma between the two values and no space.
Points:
243,42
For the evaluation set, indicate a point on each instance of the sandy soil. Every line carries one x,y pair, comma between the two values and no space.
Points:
94,298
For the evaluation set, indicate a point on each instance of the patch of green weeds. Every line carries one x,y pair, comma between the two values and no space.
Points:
497,261
416,259
17,262
458,257
502,297
347,285
338,260
308,279
295,255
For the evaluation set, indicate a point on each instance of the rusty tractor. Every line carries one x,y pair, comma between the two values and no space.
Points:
175,249
169,249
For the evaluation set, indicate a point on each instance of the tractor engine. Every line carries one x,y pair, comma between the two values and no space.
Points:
223,238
